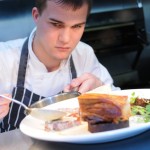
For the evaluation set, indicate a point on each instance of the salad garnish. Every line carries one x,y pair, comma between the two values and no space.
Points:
140,106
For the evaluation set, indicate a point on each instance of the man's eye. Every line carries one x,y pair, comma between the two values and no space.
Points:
58,25
77,26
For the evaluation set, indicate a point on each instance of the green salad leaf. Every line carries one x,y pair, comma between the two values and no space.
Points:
148,108
139,110
133,98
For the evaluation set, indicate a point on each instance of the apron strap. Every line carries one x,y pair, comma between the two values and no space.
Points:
72,67
23,64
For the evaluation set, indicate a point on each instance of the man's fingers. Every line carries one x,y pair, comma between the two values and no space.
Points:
70,88
4,101
67,88
84,83
85,86
4,111
4,106
75,83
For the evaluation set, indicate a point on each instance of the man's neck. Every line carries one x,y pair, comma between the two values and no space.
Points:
50,64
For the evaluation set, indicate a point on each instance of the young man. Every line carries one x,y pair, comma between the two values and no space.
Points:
51,60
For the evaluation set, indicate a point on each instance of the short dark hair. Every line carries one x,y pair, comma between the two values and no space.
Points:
75,4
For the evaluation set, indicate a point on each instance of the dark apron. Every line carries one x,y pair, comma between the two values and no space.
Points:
16,112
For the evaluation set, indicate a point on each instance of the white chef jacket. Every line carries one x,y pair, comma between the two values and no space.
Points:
38,79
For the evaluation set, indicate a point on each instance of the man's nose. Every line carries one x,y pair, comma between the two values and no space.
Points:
65,35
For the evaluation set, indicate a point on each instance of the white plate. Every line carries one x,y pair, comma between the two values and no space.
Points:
35,128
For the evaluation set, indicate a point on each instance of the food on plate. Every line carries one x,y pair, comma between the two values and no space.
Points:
141,107
72,119
104,112
141,102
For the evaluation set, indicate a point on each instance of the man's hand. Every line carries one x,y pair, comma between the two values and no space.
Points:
84,83
4,106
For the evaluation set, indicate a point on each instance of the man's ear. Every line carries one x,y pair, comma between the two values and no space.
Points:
35,14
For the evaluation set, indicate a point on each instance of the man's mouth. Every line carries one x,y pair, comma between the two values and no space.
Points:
63,48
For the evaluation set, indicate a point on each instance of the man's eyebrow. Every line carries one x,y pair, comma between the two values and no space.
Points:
82,23
58,21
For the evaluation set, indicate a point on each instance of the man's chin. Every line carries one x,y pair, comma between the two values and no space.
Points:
63,57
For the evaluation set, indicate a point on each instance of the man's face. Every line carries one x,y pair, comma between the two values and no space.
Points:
59,29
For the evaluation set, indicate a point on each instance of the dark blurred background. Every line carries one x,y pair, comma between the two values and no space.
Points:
118,30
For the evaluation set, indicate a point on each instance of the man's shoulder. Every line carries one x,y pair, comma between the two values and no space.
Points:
83,45
11,50
11,46
83,49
